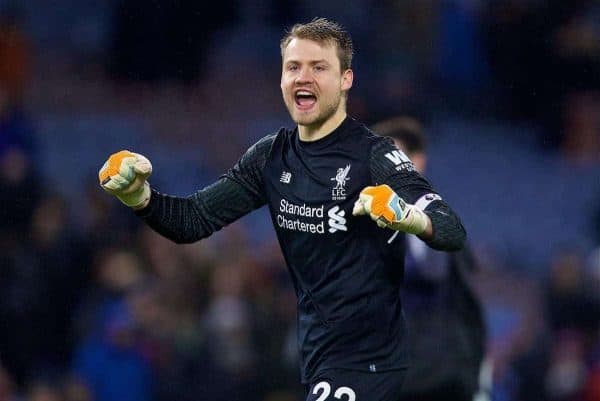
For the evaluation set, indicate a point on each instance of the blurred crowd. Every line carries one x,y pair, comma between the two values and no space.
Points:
101,308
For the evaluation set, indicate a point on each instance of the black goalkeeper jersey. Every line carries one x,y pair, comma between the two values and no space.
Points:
346,270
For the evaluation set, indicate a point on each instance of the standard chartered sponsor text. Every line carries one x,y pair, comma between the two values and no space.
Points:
298,225
300,210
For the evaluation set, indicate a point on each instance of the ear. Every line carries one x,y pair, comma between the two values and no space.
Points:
347,78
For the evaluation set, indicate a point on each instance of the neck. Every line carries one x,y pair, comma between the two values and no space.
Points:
310,133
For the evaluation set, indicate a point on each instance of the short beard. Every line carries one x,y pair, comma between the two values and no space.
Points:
328,111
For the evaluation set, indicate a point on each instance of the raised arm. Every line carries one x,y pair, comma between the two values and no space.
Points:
441,229
233,195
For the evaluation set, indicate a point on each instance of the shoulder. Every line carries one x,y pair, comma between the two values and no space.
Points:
379,144
283,134
265,143
369,136
264,147
384,152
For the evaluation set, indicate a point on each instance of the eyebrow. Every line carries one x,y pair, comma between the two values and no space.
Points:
313,62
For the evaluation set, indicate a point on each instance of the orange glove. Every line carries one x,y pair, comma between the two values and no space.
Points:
388,210
125,175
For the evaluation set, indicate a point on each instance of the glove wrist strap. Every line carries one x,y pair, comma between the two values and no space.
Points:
138,199
414,222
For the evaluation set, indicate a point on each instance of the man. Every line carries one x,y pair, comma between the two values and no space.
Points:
445,321
346,270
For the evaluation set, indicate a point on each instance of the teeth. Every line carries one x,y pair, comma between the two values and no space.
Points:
304,93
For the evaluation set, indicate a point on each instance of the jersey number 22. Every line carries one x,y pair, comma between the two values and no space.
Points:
325,389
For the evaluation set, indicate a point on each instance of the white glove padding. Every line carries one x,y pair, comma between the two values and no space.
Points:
125,175
388,210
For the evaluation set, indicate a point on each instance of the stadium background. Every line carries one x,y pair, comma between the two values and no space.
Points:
94,306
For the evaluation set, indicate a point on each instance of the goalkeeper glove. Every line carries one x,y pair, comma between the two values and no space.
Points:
124,175
389,210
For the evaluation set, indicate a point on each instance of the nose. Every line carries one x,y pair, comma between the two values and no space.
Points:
304,76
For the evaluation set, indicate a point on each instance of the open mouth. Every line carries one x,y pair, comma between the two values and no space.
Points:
304,99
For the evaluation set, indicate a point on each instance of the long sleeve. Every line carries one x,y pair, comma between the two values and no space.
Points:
233,195
390,166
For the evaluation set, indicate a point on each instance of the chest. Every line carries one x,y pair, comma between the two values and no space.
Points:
327,177
314,192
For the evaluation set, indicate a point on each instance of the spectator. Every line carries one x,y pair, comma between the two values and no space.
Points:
567,371
165,40
40,287
18,177
555,83
15,53
571,305
7,386
115,272
43,390
113,366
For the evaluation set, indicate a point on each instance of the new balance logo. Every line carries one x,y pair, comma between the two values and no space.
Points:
286,177
400,160
336,219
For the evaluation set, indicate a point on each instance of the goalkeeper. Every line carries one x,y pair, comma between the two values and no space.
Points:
341,200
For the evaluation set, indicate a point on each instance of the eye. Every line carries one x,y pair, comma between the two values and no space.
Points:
292,67
320,67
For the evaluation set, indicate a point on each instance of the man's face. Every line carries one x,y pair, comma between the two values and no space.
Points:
312,84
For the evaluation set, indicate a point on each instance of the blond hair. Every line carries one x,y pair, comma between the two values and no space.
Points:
323,31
